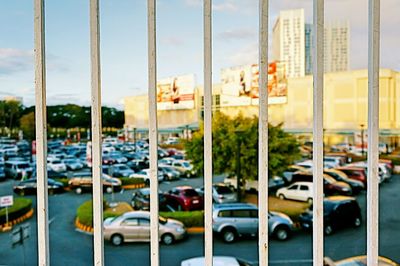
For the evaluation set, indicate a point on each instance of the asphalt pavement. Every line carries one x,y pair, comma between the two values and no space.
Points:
71,247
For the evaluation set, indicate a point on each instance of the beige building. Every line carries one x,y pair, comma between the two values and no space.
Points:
345,106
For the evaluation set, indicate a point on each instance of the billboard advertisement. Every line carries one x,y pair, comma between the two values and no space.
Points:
240,85
175,93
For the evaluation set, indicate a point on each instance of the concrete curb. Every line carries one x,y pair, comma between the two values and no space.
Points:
134,186
8,226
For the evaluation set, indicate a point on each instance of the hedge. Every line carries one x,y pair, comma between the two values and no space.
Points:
64,181
188,218
21,207
85,213
131,181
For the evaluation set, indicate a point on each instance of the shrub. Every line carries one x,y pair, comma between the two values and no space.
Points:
21,206
189,219
64,181
131,181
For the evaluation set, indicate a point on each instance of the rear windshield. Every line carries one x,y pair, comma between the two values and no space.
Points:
23,166
190,193
223,190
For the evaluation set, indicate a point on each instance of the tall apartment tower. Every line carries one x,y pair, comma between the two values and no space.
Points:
288,41
336,47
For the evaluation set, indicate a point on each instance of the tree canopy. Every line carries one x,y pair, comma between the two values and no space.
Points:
283,148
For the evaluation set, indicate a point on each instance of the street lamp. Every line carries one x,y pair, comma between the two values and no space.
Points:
238,133
362,139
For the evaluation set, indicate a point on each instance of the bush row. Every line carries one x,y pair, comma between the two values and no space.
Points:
21,207
189,219
131,181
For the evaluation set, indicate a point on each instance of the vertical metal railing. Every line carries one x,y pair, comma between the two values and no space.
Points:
208,234
318,137
373,133
263,135
41,135
98,242
153,132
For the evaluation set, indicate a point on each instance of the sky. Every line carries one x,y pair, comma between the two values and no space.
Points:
179,42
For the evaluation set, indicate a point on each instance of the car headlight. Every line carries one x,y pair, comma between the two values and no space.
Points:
180,229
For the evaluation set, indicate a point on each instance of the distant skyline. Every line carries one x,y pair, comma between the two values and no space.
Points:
180,42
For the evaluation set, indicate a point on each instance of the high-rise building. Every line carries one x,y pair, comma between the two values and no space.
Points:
288,41
336,47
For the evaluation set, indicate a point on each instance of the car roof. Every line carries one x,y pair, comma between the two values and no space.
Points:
225,206
339,198
382,261
136,214
302,183
183,187
217,261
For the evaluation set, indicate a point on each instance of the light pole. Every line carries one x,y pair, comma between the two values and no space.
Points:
134,138
362,139
238,133
187,132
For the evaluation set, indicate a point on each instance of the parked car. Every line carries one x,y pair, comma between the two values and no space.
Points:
56,165
331,186
166,161
185,167
184,198
339,212
359,261
107,160
73,164
356,173
121,170
221,193
218,261
383,170
169,172
17,169
137,165
81,182
29,186
145,174
234,220
288,173
141,200
302,191
135,227
117,156
356,186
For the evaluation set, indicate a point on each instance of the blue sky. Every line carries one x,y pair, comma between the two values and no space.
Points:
180,43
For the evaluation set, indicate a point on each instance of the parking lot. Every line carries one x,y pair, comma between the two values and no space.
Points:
71,247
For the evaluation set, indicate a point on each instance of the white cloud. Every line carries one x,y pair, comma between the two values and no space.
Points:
15,60
246,55
226,6
237,34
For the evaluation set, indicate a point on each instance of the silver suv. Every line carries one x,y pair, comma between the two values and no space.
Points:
234,220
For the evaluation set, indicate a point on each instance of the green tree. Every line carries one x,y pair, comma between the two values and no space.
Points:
283,148
27,122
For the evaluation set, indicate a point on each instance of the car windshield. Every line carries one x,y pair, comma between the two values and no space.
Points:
56,162
123,167
223,190
329,179
190,193
163,220
23,166
186,164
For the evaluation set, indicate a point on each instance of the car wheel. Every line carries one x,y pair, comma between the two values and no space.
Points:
328,230
229,235
117,240
282,233
109,190
78,190
357,222
310,201
281,196
167,239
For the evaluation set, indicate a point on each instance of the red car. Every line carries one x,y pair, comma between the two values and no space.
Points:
184,198
356,173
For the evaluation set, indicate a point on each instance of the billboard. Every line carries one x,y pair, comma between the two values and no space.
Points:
175,93
240,85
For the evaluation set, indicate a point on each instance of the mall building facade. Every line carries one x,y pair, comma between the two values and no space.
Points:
345,109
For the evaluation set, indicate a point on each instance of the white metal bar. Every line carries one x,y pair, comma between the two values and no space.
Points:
153,132
208,233
96,134
41,135
373,133
318,152
263,135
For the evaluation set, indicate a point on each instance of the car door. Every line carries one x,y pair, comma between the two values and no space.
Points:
340,216
144,229
292,192
243,221
304,192
130,229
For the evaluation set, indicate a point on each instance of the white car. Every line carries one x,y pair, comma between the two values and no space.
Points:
56,165
73,164
145,174
217,261
302,191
